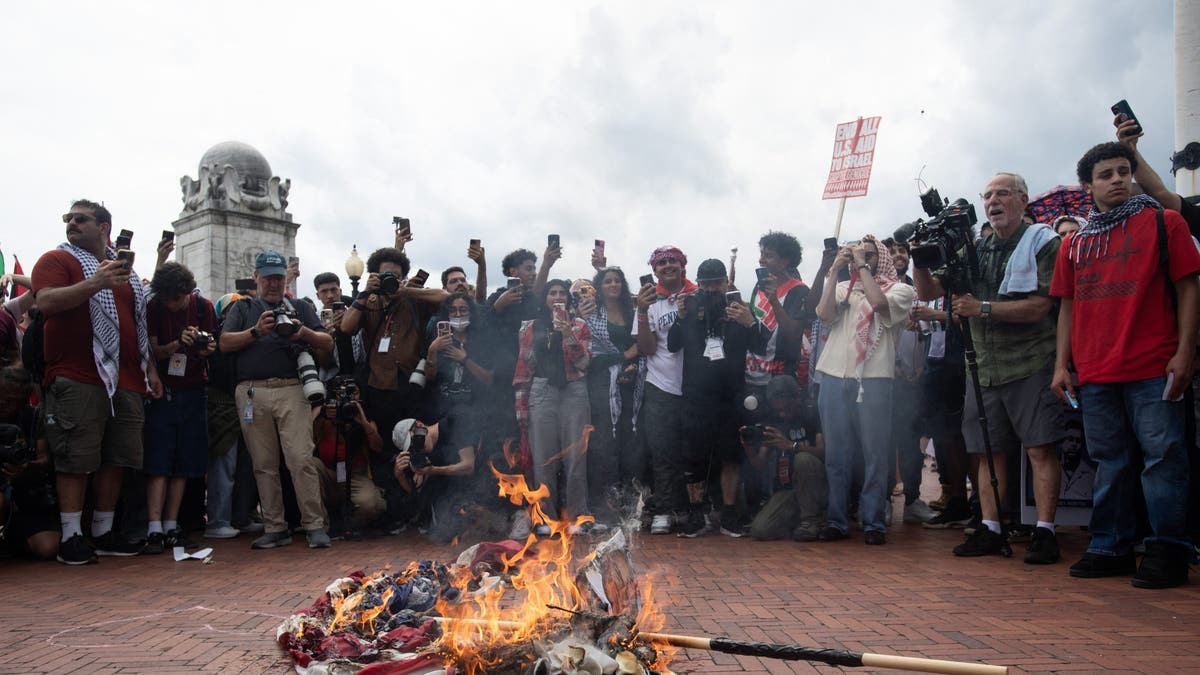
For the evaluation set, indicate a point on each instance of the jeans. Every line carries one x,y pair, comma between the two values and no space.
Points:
220,487
851,428
556,421
1118,417
906,400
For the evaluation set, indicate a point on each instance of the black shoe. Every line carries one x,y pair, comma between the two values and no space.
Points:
806,531
955,514
980,543
76,551
875,537
1094,566
176,537
1019,533
830,533
1164,566
155,543
111,543
1043,548
695,524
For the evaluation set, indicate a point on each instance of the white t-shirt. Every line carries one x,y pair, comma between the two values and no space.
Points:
838,355
663,369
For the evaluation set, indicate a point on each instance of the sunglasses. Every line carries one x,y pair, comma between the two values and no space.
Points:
77,218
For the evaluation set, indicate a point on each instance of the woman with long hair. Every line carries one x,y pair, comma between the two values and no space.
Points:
615,380
552,401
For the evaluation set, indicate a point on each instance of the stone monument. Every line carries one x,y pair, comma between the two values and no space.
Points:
233,211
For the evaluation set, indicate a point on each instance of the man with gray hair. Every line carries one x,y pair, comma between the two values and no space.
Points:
1012,322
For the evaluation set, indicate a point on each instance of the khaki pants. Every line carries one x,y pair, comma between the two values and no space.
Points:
282,416
366,497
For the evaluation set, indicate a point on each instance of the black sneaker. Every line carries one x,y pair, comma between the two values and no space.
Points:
830,533
176,537
956,514
731,524
1164,566
875,537
1095,566
1043,547
695,524
1019,533
76,551
111,543
155,543
981,542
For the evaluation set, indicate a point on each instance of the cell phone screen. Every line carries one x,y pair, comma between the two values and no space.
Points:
443,328
646,279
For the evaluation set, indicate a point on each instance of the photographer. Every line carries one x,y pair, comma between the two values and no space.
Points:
347,349
714,331
272,336
181,324
1012,324
28,503
779,303
436,468
344,436
787,449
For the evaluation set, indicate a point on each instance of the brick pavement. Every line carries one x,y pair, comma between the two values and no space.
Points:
911,597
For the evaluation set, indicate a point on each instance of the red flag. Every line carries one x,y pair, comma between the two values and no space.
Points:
18,289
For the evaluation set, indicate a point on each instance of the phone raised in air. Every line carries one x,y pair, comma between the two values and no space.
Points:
1122,108
125,256
124,239
168,235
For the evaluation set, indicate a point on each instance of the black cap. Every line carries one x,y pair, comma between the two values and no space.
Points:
710,270
783,388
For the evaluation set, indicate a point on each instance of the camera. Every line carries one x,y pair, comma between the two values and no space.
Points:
13,448
701,302
285,322
935,242
344,399
306,370
202,340
752,433
389,283
416,451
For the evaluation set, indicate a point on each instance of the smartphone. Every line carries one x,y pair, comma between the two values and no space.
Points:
1072,401
475,243
513,282
560,312
552,241
338,305
419,279
168,235
244,285
831,243
763,274
1122,108
402,225
126,256
124,239
732,297
646,279
598,249
326,316
443,328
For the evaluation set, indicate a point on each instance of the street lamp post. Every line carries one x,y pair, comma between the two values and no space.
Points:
354,269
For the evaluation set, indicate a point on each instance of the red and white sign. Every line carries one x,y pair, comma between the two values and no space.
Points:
853,153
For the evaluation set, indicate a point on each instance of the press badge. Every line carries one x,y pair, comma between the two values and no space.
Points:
177,365
384,343
341,472
714,348
248,409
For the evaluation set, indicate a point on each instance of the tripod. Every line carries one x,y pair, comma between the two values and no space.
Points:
346,528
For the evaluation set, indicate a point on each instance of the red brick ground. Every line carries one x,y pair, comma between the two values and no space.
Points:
911,597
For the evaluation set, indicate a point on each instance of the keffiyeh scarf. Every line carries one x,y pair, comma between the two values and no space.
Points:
1086,241
106,324
867,328
602,344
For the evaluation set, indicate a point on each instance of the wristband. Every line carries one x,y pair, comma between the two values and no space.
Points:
254,332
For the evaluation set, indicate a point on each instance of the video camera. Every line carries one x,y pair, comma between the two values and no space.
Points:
934,243
13,448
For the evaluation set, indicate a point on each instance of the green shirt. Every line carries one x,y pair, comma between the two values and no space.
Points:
1012,351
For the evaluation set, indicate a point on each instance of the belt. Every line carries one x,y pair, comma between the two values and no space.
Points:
274,382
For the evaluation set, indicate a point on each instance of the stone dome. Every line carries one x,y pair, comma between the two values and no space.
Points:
251,166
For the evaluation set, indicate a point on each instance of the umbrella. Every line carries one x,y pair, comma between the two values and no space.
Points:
1064,200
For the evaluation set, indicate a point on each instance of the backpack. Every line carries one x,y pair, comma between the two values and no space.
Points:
33,346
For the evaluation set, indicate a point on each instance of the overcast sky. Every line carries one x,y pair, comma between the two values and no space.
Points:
698,124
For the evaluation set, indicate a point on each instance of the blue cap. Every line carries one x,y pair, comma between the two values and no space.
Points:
270,263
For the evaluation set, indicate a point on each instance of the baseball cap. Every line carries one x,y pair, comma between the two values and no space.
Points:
270,263
402,434
710,270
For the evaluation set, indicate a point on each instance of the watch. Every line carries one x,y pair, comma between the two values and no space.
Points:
986,310
254,332
864,266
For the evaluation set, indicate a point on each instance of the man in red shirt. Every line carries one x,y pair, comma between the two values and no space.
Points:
98,369
1131,341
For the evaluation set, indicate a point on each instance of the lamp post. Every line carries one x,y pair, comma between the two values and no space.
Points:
354,269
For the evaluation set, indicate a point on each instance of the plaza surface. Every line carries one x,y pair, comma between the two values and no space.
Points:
910,597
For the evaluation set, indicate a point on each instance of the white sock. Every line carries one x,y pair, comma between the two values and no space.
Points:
993,525
70,524
1048,526
154,527
169,525
101,523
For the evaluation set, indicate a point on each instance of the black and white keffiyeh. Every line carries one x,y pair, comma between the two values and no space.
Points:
602,344
1087,240
106,327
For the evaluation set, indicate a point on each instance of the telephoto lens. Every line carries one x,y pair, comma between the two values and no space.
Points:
314,389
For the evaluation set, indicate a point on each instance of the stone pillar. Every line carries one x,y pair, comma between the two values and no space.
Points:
1187,97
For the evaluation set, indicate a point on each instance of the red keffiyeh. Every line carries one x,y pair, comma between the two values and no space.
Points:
866,328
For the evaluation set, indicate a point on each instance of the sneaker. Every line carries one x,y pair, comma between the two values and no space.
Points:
979,543
661,524
111,543
155,543
542,530
1164,566
875,537
807,530
1095,566
75,551
176,537
1020,533
317,538
519,530
221,532
918,512
272,539
1043,548
695,524
253,527
830,533
941,502
956,514
731,525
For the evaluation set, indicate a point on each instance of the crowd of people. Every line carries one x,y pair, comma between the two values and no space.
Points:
771,409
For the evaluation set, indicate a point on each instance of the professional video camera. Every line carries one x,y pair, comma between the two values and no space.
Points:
13,448
344,397
935,243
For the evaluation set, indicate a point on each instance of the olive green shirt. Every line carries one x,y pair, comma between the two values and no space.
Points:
1012,351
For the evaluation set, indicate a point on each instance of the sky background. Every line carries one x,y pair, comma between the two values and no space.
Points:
693,123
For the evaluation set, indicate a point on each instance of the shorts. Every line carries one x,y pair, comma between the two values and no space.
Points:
1020,414
176,434
84,433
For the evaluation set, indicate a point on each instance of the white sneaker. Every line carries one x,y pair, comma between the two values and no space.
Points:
222,532
661,524
918,512
520,526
